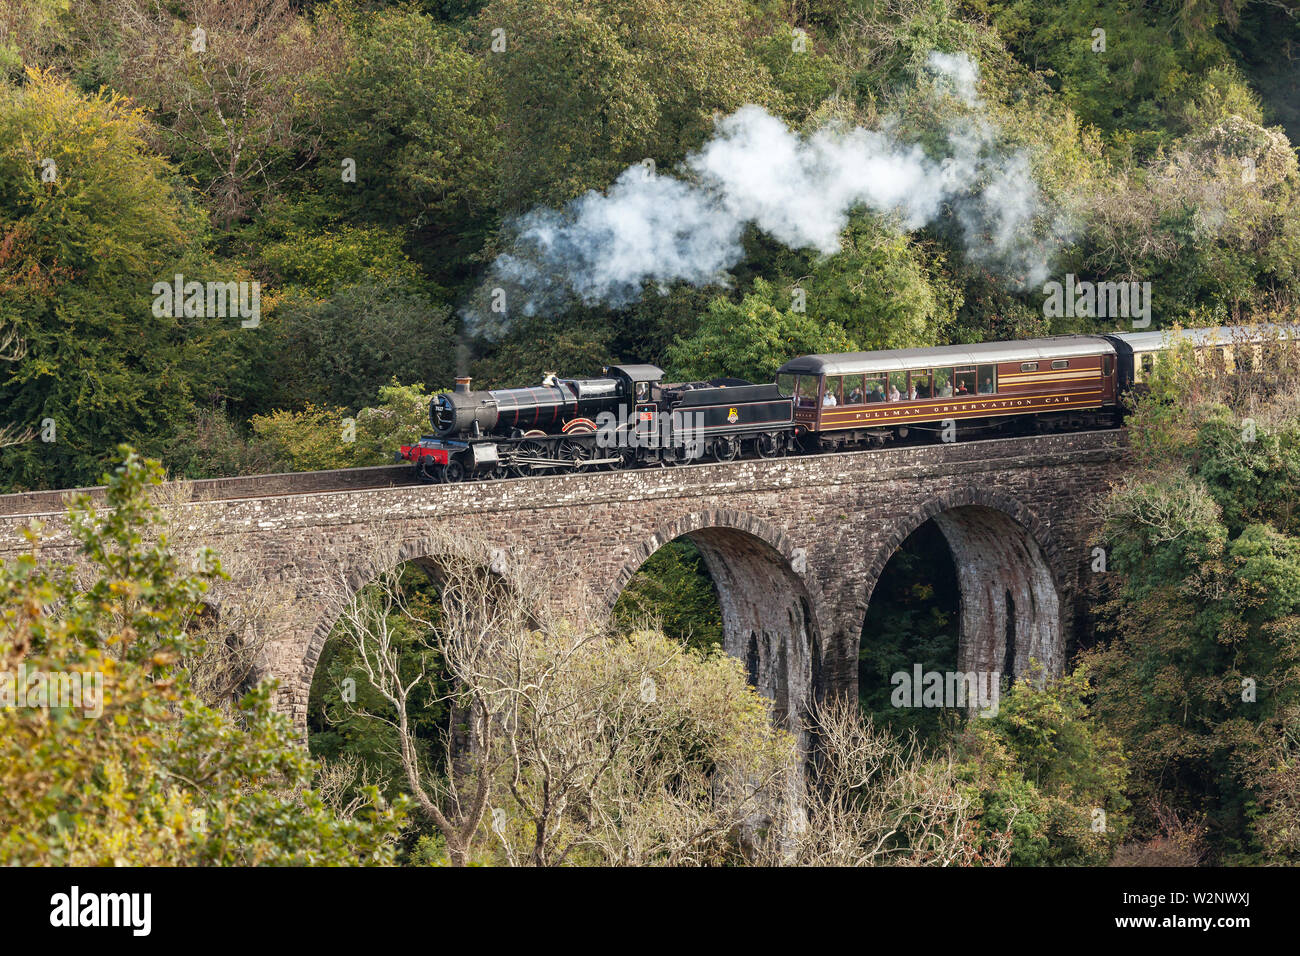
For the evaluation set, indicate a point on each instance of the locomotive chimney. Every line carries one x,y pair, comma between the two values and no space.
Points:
462,383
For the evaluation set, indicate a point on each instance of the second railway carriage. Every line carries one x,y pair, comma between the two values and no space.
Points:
867,397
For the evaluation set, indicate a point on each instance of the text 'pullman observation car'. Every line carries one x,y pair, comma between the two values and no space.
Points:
867,397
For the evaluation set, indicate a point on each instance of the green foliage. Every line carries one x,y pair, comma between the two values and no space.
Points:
340,350
752,338
588,89
158,777
338,725
1043,768
912,619
674,590
322,437
84,252
412,105
1198,676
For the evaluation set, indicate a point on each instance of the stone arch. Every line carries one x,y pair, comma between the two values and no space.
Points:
420,551
771,616
1010,576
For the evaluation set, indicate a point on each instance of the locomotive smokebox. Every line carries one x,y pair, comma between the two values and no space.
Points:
462,412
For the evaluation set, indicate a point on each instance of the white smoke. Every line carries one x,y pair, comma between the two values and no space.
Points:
649,227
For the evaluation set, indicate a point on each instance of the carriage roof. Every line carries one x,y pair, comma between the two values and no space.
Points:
980,353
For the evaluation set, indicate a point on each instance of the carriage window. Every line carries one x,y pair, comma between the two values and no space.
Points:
1029,366
1107,365
1061,363
875,388
943,383
988,379
964,381
832,396
1148,363
897,386
920,385
805,391
785,384
853,390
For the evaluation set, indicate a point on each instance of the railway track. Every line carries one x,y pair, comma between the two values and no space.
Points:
35,504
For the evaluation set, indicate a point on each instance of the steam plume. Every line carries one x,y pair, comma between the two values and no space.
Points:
650,227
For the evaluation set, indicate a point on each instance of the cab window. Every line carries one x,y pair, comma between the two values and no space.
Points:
785,384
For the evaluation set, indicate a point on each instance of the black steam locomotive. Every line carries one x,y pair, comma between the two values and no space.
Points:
628,418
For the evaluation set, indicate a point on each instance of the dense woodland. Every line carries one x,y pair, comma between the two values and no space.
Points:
382,170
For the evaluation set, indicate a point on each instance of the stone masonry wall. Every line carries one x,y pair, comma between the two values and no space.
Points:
814,531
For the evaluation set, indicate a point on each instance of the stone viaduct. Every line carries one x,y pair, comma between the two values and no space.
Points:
795,546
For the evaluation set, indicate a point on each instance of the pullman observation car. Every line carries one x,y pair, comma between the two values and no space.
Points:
869,397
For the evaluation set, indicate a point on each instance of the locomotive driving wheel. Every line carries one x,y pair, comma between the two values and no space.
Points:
576,451
527,449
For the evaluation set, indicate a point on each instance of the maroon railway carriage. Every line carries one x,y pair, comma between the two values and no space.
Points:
868,397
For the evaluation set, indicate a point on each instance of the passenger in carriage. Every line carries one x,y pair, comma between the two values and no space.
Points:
893,393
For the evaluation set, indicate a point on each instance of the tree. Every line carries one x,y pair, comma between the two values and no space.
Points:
567,743
753,338
90,220
588,89
1197,672
324,437
412,107
226,80
134,769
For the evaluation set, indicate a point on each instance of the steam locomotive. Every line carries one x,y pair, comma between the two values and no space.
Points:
628,418
631,418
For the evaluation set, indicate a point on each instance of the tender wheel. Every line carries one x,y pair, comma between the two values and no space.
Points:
767,446
672,455
725,449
